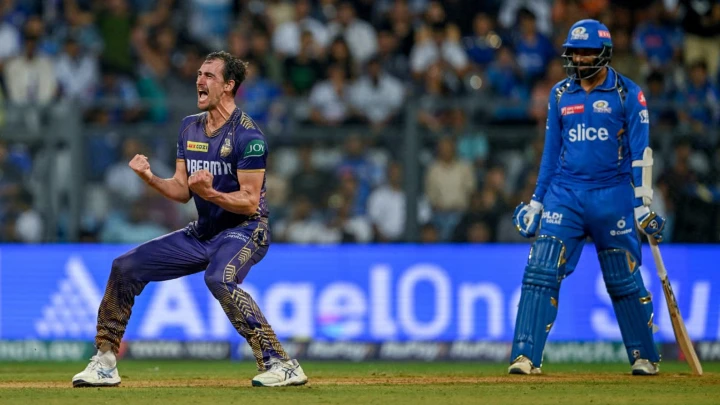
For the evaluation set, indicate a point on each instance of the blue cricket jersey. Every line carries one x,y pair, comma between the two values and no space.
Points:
592,138
238,145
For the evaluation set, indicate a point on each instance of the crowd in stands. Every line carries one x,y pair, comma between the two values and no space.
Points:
351,68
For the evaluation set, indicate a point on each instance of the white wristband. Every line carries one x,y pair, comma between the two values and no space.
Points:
641,211
536,205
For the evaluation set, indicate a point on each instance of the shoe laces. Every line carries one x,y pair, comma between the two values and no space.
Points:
274,364
94,363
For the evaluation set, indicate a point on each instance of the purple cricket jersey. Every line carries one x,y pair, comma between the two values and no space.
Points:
237,145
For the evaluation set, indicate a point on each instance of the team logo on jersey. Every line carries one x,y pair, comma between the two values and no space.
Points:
601,106
197,146
226,148
641,99
579,33
644,117
256,148
573,109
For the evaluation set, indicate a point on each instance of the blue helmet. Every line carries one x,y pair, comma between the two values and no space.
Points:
588,34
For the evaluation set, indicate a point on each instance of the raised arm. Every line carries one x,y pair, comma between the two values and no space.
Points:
174,188
244,201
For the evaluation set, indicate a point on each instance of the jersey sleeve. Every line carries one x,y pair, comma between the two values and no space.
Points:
252,151
638,126
181,138
551,151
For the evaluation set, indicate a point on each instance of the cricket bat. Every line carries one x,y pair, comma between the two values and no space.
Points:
681,335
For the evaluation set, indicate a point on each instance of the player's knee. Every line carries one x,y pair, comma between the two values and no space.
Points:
546,263
620,272
123,265
214,281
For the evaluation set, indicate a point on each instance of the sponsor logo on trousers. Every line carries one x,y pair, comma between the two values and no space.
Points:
552,217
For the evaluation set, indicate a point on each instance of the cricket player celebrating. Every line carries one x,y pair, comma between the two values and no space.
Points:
595,180
221,157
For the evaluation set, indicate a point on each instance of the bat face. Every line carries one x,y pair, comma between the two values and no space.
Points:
681,335
670,297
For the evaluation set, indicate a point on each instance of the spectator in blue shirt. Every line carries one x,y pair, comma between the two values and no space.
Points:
484,43
533,50
116,99
699,99
656,42
505,80
366,173
258,96
661,100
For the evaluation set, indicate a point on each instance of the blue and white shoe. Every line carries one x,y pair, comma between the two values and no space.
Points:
101,372
280,374
645,367
523,365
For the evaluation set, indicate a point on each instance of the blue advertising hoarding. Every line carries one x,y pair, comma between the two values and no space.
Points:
348,293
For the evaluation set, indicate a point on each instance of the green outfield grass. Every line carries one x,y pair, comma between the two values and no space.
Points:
224,383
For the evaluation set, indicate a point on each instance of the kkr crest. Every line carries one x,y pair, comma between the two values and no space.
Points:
226,148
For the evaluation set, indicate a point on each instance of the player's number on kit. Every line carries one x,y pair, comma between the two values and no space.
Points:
255,148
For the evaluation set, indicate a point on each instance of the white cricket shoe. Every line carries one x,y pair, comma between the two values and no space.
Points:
523,365
280,374
101,372
645,367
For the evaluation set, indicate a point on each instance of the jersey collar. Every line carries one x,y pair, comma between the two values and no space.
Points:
610,83
233,116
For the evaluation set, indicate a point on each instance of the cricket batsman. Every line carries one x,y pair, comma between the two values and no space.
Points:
221,158
594,180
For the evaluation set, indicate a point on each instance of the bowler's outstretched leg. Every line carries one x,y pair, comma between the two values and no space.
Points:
231,263
168,257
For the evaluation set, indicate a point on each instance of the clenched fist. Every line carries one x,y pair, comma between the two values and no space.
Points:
141,167
201,182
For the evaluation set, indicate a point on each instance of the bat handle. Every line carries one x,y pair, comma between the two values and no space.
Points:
659,264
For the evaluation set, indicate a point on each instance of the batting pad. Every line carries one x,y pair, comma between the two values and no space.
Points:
632,303
539,299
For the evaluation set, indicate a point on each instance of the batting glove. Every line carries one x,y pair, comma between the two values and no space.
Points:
650,223
527,218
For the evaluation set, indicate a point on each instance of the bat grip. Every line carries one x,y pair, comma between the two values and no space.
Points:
659,264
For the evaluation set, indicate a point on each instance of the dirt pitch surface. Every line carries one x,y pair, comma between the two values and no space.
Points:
181,382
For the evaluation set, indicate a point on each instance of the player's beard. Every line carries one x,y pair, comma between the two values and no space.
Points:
588,72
